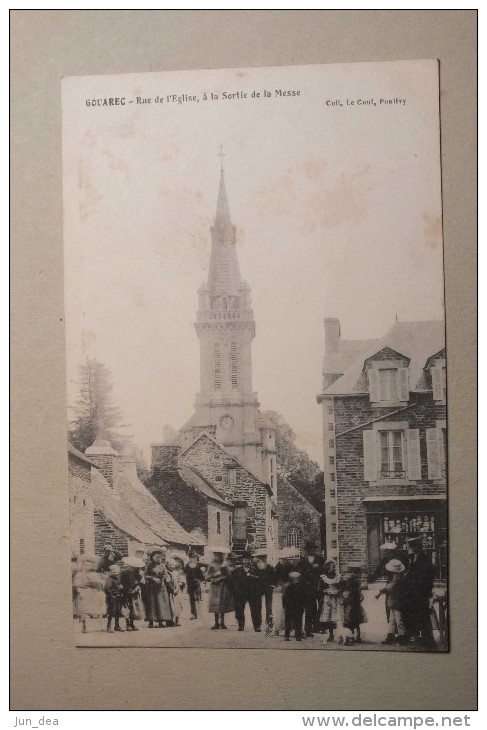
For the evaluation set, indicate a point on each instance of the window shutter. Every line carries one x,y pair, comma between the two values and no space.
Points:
370,456
436,382
403,384
433,451
414,454
373,377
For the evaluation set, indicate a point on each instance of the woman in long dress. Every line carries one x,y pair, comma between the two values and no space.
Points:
329,587
156,589
219,576
89,591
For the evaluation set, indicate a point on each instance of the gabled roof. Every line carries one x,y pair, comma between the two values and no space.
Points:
197,480
119,514
138,498
205,434
282,481
415,340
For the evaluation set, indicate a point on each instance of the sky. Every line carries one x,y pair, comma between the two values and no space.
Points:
337,209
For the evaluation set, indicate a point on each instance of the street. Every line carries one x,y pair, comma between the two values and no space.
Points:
198,634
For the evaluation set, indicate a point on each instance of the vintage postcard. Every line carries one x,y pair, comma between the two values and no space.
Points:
256,358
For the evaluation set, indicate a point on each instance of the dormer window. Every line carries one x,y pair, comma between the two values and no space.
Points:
438,382
388,382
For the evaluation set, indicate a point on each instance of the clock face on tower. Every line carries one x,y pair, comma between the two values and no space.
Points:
226,422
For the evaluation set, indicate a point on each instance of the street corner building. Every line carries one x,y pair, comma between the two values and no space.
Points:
221,479
110,505
385,443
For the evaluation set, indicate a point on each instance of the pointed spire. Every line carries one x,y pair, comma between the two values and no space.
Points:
224,275
222,217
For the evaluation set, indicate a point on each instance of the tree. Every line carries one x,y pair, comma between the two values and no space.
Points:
294,464
95,415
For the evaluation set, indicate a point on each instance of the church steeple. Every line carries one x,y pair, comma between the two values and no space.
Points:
224,278
225,326
222,217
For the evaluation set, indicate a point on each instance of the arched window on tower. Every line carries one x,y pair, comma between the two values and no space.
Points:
294,538
234,364
217,367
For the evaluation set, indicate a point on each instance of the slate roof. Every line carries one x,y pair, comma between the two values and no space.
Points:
197,480
417,341
116,511
282,481
138,498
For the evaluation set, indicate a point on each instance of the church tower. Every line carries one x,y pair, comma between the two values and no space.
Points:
226,405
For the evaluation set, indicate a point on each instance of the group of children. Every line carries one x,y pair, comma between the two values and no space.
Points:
336,604
133,588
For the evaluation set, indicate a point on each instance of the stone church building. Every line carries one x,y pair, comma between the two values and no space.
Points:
228,441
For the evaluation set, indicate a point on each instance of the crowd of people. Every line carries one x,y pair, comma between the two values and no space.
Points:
315,597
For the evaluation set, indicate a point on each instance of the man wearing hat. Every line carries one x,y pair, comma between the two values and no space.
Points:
266,582
418,591
247,589
309,566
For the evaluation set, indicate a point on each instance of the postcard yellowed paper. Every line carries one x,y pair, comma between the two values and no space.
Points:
256,358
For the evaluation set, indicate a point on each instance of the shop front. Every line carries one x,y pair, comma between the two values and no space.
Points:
392,520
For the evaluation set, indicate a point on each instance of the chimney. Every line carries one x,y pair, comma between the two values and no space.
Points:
165,457
128,466
332,336
106,459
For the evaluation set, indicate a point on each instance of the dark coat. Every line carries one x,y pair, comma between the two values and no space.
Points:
194,576
310,574
246,584
353,613
294,596
419,577
156,593
282,569
113,592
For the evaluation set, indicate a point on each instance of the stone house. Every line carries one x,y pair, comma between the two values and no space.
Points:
385,442
207,489
109,504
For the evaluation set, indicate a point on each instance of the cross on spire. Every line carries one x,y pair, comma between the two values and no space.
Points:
221,155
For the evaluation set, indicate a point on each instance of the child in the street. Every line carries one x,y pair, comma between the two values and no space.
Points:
394,591
331,602
294,601
353,612
114,594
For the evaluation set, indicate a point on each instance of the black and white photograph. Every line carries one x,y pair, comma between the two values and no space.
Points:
256,358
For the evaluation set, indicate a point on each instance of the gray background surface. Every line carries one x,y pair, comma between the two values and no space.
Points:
47,672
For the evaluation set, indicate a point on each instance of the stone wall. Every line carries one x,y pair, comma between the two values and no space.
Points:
106,534
295,511
214,464
351,488
181,500
82,527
